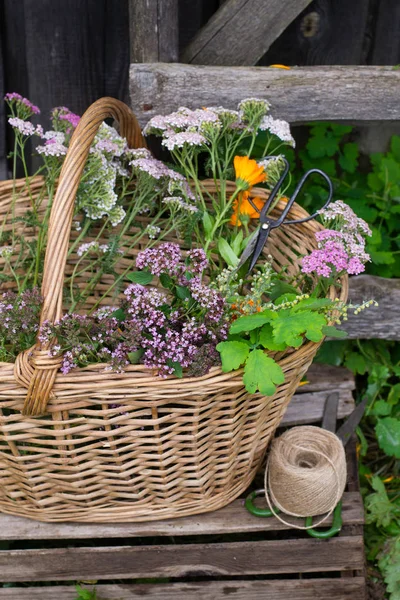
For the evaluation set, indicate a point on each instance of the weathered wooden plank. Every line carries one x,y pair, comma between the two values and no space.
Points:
153,30
327,377
309,408
193,14
256,23
232,519
304,589
381,322
3,152
325,33
386,42
237,558
299,95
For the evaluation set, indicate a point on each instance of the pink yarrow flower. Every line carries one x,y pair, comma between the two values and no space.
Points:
14,97
341,249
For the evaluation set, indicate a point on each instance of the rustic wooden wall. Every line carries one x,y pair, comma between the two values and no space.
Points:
70,52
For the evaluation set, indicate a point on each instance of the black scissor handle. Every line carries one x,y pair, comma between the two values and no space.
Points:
298,189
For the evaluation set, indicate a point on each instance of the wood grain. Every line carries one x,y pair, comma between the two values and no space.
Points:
153,30
237,558
256,23
304,589
326,33
233,519
299,95
382,322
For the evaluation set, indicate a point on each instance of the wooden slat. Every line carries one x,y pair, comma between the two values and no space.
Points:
3,152
327,377
232,519
309,408
386,42
299,95
153,30
326,33
237,558
255,24
376,322
304,589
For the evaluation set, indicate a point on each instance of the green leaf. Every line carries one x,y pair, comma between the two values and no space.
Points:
178,372
249,322
395,147
363,441
378,506
280,288
381,408
119,314
349,159
388,435
389,564
356,363
142,277
237,243
227,253
207,224
394,394
262,373
331,353
290,327
375,183
166,281
267,339
182,292
233,354
381,257
134,357
333,332
312,304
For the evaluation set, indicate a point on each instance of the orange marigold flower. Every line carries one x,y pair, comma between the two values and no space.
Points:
248,172
241,207
281,67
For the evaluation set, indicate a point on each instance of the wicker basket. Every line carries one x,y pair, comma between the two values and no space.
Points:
99,446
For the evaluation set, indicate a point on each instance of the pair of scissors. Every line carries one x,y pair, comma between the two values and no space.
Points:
344,433
267,224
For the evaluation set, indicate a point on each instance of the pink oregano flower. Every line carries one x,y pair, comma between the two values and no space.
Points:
342,248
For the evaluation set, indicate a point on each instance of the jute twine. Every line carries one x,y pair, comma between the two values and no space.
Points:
305,474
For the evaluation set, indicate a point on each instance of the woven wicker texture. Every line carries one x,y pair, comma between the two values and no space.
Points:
111,447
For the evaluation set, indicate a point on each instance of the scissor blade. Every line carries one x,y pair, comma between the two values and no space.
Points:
248,251
330,412
348,428
260,243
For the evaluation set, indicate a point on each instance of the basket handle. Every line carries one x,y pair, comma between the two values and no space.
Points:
43,368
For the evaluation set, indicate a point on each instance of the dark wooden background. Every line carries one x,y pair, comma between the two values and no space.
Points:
71,52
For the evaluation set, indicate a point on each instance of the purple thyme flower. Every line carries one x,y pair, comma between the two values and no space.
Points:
164,258
198,261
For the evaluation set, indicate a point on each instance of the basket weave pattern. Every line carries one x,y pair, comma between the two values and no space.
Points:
130,446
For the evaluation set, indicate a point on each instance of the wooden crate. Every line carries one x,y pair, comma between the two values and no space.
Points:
224,554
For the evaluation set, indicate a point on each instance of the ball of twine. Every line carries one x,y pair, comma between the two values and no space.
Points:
306,473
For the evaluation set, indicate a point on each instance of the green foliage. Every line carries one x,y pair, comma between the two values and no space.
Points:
388,434
84,594
371,186
262,373
293,319
378,506
374,193
389,564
